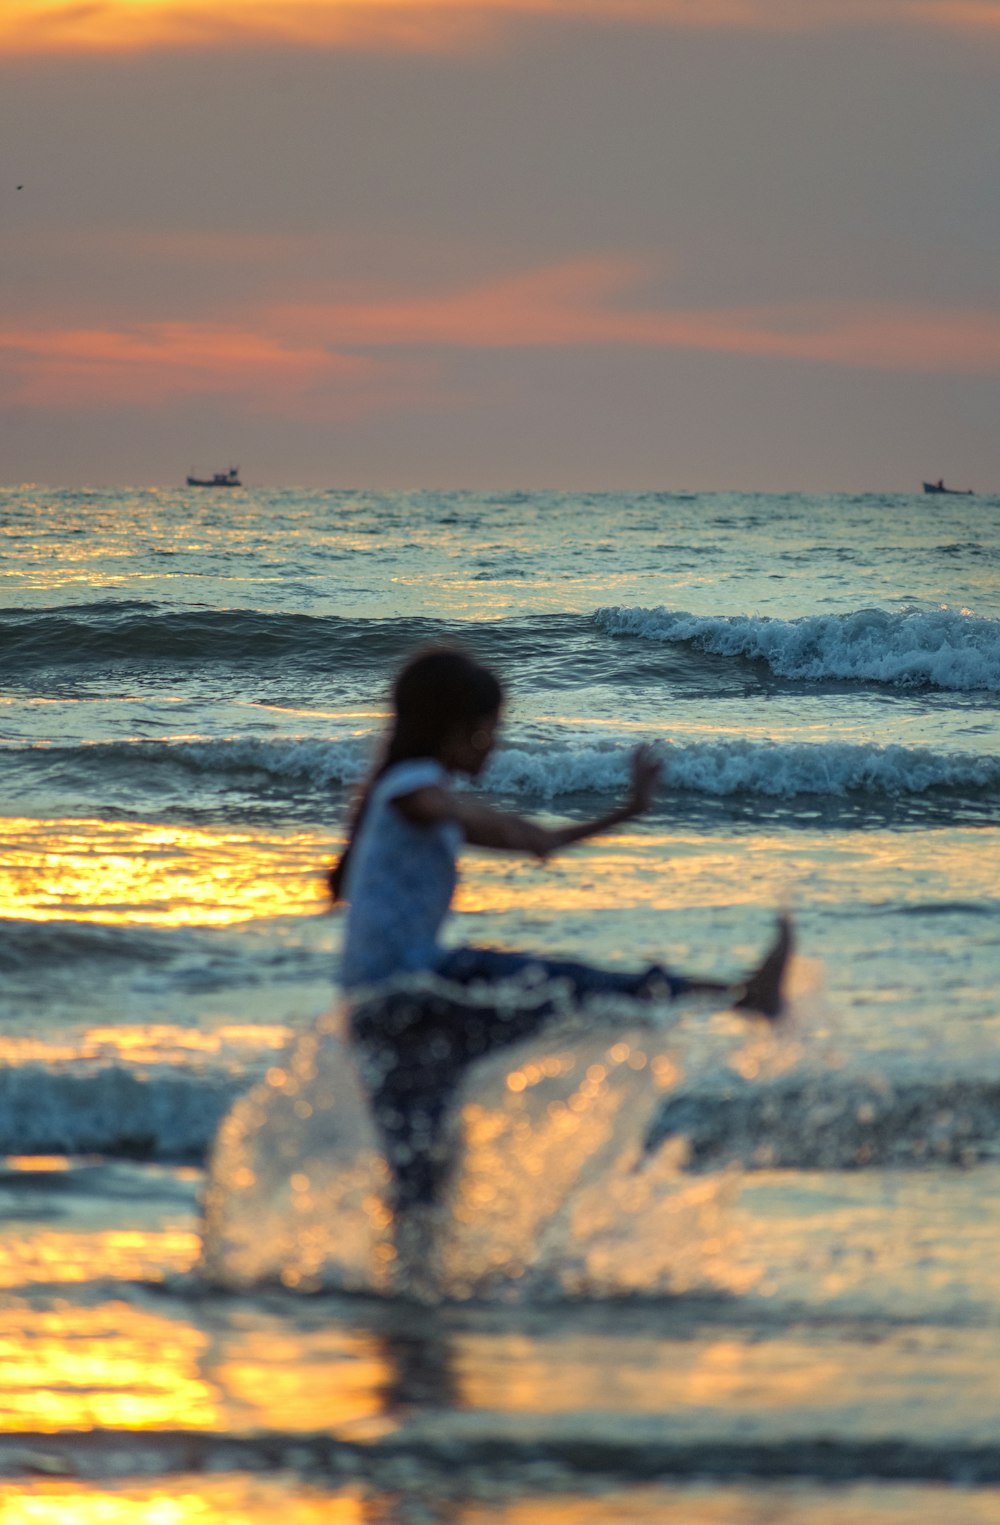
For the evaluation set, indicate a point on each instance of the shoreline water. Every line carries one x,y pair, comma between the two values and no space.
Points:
190,697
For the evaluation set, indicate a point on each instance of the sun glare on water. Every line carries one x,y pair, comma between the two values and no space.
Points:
162,875
185,1500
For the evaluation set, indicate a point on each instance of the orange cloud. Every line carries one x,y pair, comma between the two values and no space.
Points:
39,26
330,358
585,303
149,364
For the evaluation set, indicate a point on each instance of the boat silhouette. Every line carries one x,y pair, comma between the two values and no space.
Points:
955,492
230,478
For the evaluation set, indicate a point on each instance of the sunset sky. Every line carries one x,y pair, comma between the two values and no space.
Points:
501,243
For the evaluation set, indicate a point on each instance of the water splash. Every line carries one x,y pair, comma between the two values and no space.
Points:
555,1192
552,1190
297,1186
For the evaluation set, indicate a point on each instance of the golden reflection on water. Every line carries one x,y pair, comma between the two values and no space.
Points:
117,1365
68,1366
147,1043
120,872
125,872
668,871
226,1500
619,1374
125,1363
71,1367
182,1501
328,1379
43,1164
54,1256
784,1503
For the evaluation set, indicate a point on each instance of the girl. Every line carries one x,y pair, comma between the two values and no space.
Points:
398,873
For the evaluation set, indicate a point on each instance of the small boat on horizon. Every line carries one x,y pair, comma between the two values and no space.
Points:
955,492
230,478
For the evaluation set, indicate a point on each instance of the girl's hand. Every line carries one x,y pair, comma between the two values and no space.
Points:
647,770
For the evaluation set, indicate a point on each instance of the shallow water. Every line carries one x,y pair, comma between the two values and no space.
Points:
855,1305
191,689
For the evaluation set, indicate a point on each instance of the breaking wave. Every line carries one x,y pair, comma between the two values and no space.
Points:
940,648
550,771
736,767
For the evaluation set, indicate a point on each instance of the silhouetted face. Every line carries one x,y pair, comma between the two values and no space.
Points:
469,746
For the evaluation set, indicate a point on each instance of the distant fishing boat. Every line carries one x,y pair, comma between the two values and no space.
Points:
230,478
955,492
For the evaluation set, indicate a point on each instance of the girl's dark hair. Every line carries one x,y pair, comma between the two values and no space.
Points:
438,688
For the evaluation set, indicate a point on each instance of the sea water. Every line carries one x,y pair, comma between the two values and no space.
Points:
690,1269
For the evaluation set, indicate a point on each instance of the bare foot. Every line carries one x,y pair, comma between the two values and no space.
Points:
763,989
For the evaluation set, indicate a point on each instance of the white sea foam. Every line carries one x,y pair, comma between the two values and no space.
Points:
307,759
734,766
942,648
552,770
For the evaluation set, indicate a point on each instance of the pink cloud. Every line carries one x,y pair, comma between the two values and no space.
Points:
586,302
145,365
330,358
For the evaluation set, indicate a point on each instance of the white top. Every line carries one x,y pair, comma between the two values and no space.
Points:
400,880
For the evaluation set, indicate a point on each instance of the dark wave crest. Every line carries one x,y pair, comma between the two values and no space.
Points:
138,634
801,1121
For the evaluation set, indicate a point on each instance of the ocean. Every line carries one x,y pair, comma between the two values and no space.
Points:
697,1270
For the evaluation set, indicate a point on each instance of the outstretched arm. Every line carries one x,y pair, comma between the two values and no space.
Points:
485,826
